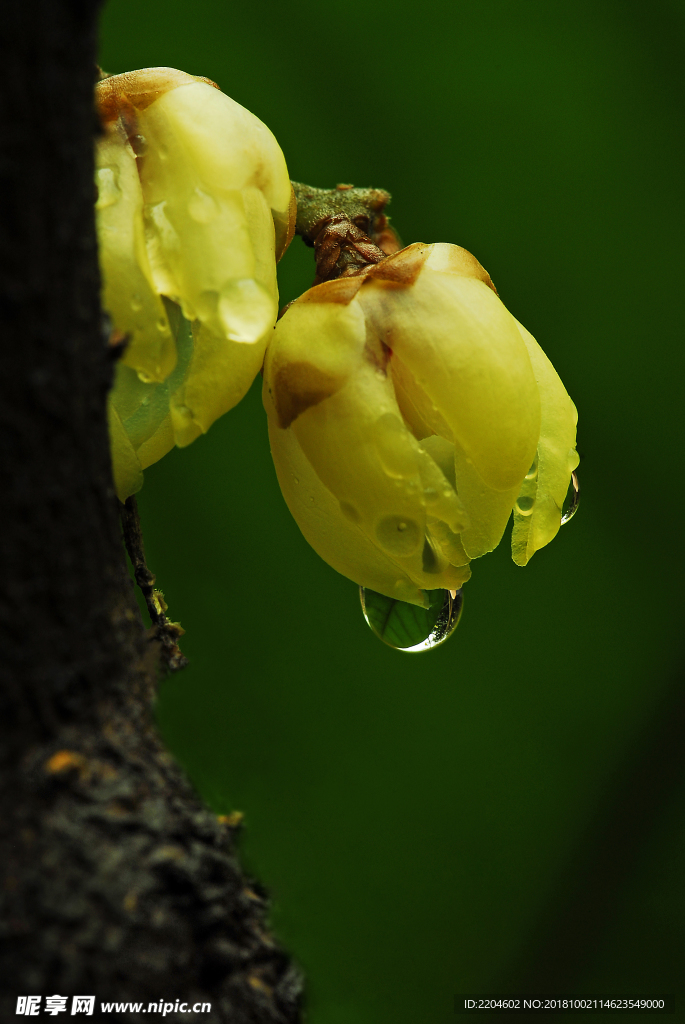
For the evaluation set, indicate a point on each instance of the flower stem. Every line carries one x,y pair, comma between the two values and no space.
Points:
346,226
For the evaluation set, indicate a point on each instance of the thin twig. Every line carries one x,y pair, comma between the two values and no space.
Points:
166,632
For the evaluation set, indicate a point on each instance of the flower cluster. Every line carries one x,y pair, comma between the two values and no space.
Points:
194,208
409,413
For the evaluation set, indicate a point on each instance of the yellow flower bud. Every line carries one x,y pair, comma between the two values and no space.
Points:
406,407
194,207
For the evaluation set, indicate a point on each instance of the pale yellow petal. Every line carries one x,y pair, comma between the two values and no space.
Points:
537,513
157,446
462,347
210,235
126,468
386,483
315,348
218,377
318,514
488,509
128,294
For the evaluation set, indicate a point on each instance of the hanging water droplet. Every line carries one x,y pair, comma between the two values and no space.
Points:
407,627
572,500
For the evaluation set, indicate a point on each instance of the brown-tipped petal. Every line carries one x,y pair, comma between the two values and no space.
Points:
314,349
463,349
452,259
138,89
402,268
284,225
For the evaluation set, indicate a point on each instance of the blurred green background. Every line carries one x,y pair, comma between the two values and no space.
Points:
504,813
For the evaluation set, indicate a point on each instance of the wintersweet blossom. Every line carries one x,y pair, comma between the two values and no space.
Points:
194,208
409,415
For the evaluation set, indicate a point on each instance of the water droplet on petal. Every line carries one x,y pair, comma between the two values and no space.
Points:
407,627
390,436
136,303
524,504
108,188
202,208
398,535
572,500
246,310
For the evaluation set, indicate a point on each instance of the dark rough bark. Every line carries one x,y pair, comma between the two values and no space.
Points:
115,880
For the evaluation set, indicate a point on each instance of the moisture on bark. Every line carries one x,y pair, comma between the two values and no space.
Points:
115,880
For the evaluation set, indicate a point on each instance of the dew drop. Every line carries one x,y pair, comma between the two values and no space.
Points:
390,436
202,208
407,627
108,188
183,412
398,535
246,310
572,500
136,303
524,504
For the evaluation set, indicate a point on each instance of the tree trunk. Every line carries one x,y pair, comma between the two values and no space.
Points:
116,881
